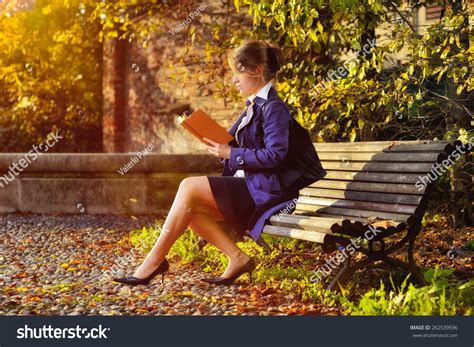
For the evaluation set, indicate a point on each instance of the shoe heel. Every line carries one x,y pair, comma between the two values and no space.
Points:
162,277
250,276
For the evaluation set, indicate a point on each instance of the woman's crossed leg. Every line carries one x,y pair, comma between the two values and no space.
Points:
194,206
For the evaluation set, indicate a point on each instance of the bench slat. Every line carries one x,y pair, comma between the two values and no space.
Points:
369,187
360,205
362,196
310,209
346,222
333,216
416,157
377,167
320,224
382,177
381,146
305,235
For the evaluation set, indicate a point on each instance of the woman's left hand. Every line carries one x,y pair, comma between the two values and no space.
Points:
218,149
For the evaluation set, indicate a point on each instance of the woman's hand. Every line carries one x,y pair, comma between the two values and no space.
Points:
218,149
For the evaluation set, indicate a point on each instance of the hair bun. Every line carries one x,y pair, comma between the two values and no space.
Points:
272,60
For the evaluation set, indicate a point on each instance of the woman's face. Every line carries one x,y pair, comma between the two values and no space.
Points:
246,84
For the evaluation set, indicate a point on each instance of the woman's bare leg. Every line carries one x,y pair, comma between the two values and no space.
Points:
208,228
194,194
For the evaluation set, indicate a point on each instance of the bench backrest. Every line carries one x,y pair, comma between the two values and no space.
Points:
374,181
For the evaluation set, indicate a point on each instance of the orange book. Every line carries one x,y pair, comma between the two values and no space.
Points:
201,125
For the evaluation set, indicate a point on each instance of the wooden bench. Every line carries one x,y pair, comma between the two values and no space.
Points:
369,186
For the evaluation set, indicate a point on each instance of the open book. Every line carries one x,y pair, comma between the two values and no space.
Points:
201,125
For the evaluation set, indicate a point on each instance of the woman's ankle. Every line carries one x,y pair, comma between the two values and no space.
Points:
240,257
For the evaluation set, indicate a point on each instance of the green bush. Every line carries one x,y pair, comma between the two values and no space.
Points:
441,297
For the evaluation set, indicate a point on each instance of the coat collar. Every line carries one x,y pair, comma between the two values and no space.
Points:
266,92
259,101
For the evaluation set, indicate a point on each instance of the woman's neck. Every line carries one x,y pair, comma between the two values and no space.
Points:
257,89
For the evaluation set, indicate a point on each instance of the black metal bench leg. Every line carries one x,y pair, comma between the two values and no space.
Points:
408,267
414,269
411,265
261,242
347,271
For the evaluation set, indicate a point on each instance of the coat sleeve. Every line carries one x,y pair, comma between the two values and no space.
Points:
276,130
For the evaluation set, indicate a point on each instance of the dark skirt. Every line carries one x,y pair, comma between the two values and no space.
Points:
234,200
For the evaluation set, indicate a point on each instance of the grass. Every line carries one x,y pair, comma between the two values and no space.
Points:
442,296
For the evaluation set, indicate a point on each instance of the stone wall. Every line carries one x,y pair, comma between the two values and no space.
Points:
98,182
156,92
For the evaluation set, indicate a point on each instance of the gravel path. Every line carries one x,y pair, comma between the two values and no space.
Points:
63,264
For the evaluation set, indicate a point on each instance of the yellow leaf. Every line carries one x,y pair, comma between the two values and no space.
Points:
353,135
46,10
320,27
237,5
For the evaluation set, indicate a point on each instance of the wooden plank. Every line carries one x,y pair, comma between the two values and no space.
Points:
381,147
389,224
362,196
414,157
305,235
310,209
356,221
382,177
338,220
351,225
385,143
377,167
359,205
368,187
318,224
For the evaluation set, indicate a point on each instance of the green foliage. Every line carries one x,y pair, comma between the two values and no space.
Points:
428,96
443,297
50,77
469,246
366,101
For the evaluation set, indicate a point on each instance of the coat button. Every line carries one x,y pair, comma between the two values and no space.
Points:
239,160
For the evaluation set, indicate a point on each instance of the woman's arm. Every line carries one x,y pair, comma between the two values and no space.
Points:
276,131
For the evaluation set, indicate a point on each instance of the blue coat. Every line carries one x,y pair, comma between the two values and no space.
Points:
275,154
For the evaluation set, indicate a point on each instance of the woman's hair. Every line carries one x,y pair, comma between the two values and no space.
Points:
253,53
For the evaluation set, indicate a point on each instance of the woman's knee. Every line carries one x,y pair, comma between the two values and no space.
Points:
190,185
